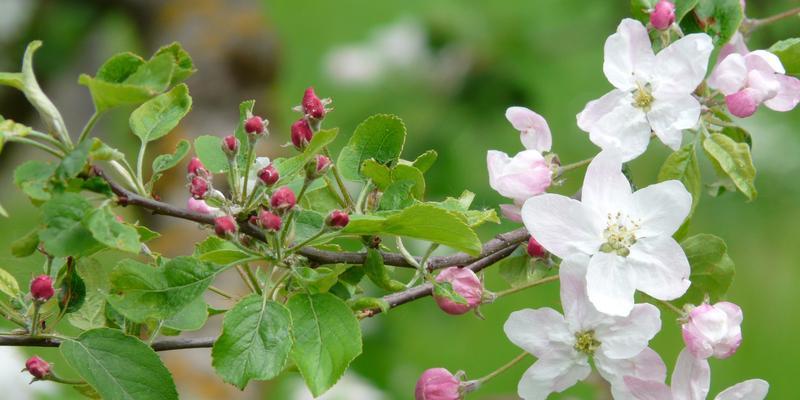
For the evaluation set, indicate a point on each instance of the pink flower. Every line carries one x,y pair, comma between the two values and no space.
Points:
198,187
750,79
713,330
734,46
519,178
691,379
466,284
663,15
437,384
533,129
37,367
42,288
200,206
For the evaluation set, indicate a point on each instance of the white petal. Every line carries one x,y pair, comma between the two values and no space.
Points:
669,116
628,55
788,95
661,267
605,187
690,378
646,365
752,389
624,129
554,372
610,284
642,389
562,225
625,337
660,208
730,75
538,331
533,128
597,109
681,66
764,61
578,311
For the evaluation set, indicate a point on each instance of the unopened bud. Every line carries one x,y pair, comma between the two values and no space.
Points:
269,221
535,250
196,168
42,288
198,187
317,167
337,219
312,105
663,15
466,284
437,384
225,226
743,103
255,125
37,367
230,145
268,175
283,199
713,330
301,134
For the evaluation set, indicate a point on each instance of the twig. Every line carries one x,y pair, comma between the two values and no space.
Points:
159,345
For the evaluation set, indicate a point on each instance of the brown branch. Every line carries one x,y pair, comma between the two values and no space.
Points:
161,345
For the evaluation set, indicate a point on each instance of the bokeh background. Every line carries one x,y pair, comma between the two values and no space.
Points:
449,69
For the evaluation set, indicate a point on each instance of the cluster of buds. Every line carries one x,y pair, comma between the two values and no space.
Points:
314,110
199,179
42,288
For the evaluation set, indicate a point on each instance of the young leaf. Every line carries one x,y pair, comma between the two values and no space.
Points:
159,115
320,279
397,195
718,18
119,366
8,284
255,342
72,290
209,149
682,165
183,64
407,172
47,110
245,110
64,233
109,88
190,318
365,303
380,137
10,129
91,314
519,270
376,272
288,167
326,338
788,51
733,160
33,179
25,245
165,162
74,162
712,268
425,160
380,174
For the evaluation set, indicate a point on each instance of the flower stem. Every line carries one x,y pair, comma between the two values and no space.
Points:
251,155
672,307
35,320
38,145
502,369
569,167
89,126
525,286
306,242
221,292
339,181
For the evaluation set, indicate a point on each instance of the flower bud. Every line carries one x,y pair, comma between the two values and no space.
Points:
663,15
337,219
268,175
198,187
521,177
312,105
713,330
301,134
535,250
283,199
269,221
466,284
254,125
196,168
225,226
200,206
743,103
437,384
42,288
37,367
317,167
230,145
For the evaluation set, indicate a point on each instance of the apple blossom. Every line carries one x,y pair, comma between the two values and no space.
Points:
563,344
748,80
519,178
466,284
533,129
713,330
628,236
691,379
437,384
653,91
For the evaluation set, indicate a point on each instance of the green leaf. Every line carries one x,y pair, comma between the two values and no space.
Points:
712,268
519,270
145,234
425,160
255,342
420,221
47,110
788,51
718,18
140,291
72,290
290,166
109,231
190,318
165,162
64,233
33,179
460,206
682,165
103,152
209,149
380,137
119,366
8,284
74,162
183,64
91,314
366,303
320,279
733,160
326,337
407,172
376,272
159,115
25,245
307,224
397,195
320,200
380,174
224,256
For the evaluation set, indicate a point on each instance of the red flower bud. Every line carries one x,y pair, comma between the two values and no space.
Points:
312,105
198,187
317,167
283,199
269,221
37,367
535,250
301,134
225,226
196,167
230,145
466,284
42,288
437,384
254,125
337,219
663,15
268,175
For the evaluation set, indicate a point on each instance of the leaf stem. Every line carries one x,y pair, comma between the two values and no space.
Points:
339,181
253,279
139,166
38,145
525,286
245,278
221,292
89,126
49,139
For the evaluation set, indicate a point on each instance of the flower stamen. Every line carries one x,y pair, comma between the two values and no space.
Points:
619,235
586,343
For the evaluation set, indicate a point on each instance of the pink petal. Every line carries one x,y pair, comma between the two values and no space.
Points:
533,128
690,378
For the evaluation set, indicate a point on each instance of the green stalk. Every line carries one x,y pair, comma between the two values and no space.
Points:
525,286
89,126
38,145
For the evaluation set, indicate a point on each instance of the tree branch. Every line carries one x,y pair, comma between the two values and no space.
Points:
161,345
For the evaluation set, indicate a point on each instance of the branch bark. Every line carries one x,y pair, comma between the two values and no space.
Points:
160,345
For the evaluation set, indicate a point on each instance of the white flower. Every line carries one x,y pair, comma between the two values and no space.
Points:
563,344
653,91
690,381
533,129
627,235
525,175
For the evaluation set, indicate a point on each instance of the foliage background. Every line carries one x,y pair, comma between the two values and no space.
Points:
450,79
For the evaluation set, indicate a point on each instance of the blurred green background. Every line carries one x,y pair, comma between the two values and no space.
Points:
449,69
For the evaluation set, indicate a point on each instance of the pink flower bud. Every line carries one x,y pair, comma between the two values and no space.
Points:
230,145
268,175
37,367
663,15
196,167
337,219
312,105
466,284
743,103
535,250
301,134
225,226
200,206
437,384
713,330
283,199
317,167
42,288
269,221
254,125
198,187
525,175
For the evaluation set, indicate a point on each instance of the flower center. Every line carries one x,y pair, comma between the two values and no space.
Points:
586,343
620,234
642,98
